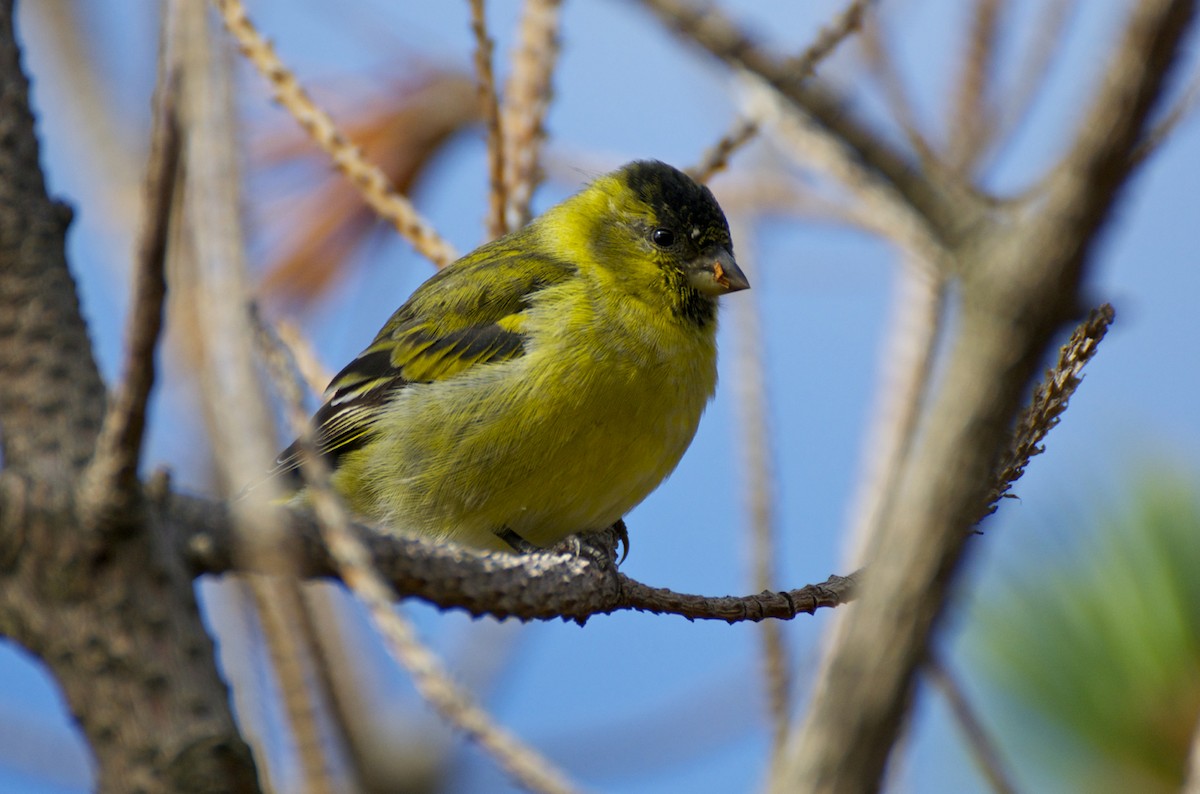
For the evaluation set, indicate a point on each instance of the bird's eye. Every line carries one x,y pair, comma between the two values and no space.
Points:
663,238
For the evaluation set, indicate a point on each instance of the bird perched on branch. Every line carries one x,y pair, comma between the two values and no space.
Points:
545,383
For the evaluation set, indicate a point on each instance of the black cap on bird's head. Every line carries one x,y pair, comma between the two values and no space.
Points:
684,207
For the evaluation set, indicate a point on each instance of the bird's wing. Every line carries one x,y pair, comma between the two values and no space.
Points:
469,315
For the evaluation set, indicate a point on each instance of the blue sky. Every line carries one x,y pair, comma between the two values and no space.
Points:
634,703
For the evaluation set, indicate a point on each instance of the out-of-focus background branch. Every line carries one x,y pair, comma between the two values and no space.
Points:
968,164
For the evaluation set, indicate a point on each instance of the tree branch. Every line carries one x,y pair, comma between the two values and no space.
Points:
377,189
554,584
918,320
51,395
970,127
1049,402
110,486
705,26
983,748
527,98
1026,282
496,148
115,621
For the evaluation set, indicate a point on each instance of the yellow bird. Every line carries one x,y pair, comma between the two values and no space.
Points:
545,383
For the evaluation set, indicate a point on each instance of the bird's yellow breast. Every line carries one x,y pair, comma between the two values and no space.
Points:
566,438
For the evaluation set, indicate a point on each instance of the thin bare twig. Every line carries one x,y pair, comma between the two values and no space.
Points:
744,130
1050,400
753,409
497,190
356,569
906,366
970,126
217,278
302,352
378,728
809,144
716,159
782,605
526,100
376,189
858,148
1015,108
771,189
111,482
887,73
228,373
983,747
1183,107
303,687
828,38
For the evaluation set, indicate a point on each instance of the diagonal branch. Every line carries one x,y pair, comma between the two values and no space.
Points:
884,68
526,101
875,200
1015,106
970,126
1086,184
51,395
860,147
916,327
349,554
548,585
1049,401
110,484
846,23
983,748
717,158
486,78
1179,112
241,434
377,189
744,130
1026,281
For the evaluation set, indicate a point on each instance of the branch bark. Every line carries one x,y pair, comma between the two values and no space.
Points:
114,617
52,399
1023,281
573,583
111,482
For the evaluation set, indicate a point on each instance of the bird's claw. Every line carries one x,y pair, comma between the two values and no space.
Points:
622,538
518,543
572,544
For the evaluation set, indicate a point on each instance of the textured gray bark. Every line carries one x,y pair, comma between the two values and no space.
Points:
112,614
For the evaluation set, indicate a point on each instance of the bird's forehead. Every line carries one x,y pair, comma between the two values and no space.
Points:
673,198
694,212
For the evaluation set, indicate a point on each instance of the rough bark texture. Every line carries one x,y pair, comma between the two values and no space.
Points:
52,401
113,615
117,623
1023,278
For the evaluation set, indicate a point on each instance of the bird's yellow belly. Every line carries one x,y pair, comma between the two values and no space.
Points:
548,452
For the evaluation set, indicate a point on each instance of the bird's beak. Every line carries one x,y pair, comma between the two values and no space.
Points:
716,273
